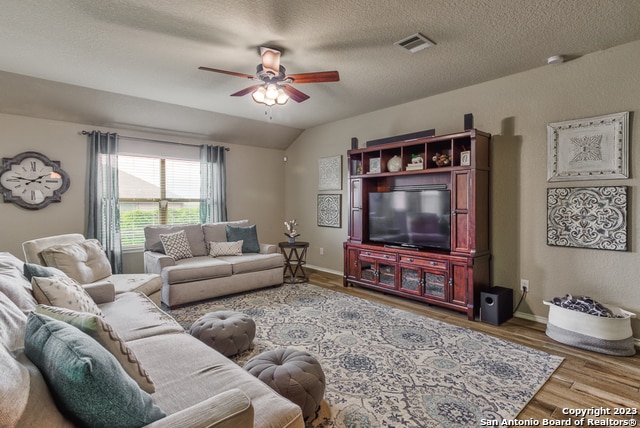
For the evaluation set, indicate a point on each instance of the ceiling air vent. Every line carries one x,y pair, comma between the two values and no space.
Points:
414,43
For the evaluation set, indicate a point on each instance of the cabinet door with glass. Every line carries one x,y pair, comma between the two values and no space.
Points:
377,268
424,277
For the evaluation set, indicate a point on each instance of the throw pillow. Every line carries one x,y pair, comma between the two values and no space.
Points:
225,248
63,292
32,269
249,236
106,336
176,245
87,380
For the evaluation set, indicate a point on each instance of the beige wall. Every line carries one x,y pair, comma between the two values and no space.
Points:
255,179
515,110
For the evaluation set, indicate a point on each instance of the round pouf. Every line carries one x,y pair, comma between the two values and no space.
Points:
295,375
228,332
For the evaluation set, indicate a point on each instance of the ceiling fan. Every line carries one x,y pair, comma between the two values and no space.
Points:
274,85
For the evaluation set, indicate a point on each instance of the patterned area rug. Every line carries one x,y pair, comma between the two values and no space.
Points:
386,367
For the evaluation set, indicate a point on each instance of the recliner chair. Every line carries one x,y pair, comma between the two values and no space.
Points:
85,261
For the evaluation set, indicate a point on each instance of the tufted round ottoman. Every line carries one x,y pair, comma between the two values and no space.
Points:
228,332
295,375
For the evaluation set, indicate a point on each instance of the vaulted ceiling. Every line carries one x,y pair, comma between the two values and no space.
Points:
134,64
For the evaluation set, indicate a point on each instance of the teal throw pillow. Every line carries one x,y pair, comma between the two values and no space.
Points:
90,385
249,236
32,269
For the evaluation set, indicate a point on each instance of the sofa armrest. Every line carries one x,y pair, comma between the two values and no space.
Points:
101,291
268,248
154,262
229,409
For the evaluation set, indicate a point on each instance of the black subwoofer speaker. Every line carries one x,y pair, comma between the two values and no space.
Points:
496,305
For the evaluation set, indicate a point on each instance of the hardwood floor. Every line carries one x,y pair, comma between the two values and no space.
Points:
584,380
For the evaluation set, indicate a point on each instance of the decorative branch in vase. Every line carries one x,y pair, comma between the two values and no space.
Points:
291,232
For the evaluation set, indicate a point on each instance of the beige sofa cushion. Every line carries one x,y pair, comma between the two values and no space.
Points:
196,269
12,324
194,234
106,336
15,286
254,262
63,292
134,316
84,261
14,389
180,385
138,282
217,232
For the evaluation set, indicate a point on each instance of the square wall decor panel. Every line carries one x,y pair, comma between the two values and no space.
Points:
587,217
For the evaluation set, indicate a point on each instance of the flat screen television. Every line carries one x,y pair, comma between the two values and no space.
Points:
412,218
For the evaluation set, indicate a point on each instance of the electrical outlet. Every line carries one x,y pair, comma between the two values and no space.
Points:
321,251
524,285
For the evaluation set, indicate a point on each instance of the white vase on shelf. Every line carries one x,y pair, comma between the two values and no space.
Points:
394,164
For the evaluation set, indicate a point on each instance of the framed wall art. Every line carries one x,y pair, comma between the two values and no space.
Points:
330,173
594,148
587,217
329,210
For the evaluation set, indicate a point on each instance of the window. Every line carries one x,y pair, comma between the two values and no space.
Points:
155,190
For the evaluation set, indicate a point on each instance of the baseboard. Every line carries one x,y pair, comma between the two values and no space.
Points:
321,269
530,317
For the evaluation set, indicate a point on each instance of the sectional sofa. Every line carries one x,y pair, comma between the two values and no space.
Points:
181,381
215,263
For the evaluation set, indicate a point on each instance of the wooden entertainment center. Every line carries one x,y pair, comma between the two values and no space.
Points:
450,278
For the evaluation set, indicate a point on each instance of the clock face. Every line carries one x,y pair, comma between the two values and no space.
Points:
32,181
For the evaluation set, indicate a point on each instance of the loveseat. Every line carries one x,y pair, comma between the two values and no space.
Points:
174,378
203,261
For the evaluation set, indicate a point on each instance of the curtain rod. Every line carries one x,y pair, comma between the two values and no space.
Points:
226,149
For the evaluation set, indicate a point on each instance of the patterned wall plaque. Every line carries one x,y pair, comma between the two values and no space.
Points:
594,148
330,173
587,217
329,210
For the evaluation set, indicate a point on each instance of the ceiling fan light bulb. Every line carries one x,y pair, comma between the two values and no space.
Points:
269,101
259,95
272,91
282,97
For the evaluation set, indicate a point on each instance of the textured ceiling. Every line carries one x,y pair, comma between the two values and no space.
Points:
134,63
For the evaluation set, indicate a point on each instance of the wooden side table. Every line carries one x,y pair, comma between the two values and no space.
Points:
295,257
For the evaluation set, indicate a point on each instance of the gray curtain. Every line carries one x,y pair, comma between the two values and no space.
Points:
213,184
102,196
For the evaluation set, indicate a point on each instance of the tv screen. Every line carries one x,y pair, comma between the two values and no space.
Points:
420,218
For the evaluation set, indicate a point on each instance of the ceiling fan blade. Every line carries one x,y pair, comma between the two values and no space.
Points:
320,76
245,91
295,94
270,60
232,73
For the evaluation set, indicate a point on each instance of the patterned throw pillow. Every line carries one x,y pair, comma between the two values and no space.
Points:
63,292
88,382
225,248
176,245
102,331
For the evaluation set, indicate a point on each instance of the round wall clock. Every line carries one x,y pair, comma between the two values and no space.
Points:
32,181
